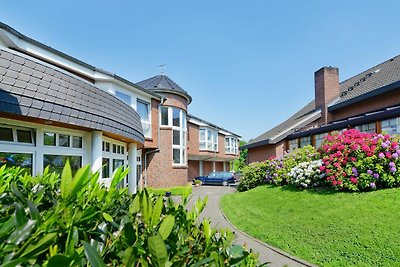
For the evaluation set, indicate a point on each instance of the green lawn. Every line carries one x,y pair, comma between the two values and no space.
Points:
175,191
322,227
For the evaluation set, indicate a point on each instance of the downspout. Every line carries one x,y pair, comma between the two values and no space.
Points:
158,144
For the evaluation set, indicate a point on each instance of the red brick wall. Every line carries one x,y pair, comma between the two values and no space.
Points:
219,166
175,101
160,172
326,89
193,139
377,102
193,169
207,167
153,142
263,153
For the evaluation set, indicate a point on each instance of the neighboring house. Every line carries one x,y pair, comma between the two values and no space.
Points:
55,108
369,101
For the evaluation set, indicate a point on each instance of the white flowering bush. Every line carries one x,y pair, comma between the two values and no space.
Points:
306,174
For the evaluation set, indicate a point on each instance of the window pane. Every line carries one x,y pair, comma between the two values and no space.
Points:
117,163
77,142
56,163
146,129
6,134
143,110
122,150
202,134
107,147
175,117
49,139
17,159
164,116
63,140
202,145
176,155
24,136
114,148
176,137
106,168
124,97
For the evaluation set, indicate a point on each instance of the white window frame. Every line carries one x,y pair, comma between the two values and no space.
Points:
210,139
394,129
111,155
233,145
143,121
183,135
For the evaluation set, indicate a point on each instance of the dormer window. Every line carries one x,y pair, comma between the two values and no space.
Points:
208,139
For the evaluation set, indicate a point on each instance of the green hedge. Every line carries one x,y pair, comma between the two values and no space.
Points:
73,221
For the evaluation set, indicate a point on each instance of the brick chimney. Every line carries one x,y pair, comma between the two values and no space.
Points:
326,90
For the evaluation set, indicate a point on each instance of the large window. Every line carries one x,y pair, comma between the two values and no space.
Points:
56,163
62,140
367,128
178,136
293,144
391,126
305,141
143,109
208,139
114,156
231,145
124,97
176,119
23,160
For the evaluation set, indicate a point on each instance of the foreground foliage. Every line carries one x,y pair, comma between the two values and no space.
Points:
323,227
183,191
76,222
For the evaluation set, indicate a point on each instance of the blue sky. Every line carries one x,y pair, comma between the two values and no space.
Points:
248,65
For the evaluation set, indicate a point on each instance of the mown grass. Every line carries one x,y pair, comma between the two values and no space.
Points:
323,227
175,191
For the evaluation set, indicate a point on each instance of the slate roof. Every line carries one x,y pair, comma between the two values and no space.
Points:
162,83
32,89
73,59
383,76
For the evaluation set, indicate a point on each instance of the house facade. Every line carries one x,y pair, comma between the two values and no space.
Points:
368,101
55,108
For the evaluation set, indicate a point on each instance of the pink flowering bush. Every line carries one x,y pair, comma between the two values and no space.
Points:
360,161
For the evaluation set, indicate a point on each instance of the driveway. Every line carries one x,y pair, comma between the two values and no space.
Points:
214,214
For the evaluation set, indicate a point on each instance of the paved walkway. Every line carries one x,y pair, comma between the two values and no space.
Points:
213,212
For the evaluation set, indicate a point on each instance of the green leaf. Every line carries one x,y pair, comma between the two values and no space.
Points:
92,255
59,261
35,215
7,226
129,233
118,175
135,206
16,192
108,217
80,180
128,257
21,233
207,230
19,215
166,226
157,211
202,262
41,246
146,207
66,181
158,249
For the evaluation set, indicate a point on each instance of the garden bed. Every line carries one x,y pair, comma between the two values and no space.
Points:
325,227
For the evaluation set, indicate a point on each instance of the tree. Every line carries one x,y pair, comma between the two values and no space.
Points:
238,164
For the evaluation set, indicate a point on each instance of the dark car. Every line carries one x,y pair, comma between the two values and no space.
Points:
217,178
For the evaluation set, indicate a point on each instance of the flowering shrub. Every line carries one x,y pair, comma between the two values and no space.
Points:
278,169
253,175
306,174
360,161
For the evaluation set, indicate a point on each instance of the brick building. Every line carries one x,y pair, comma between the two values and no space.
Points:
368,101
55,108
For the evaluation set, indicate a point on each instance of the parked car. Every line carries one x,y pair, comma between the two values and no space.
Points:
217,178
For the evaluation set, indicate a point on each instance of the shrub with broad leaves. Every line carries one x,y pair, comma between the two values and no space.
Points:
74,221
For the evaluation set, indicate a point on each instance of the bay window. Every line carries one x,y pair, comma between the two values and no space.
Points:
231,145
143,109
208,139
